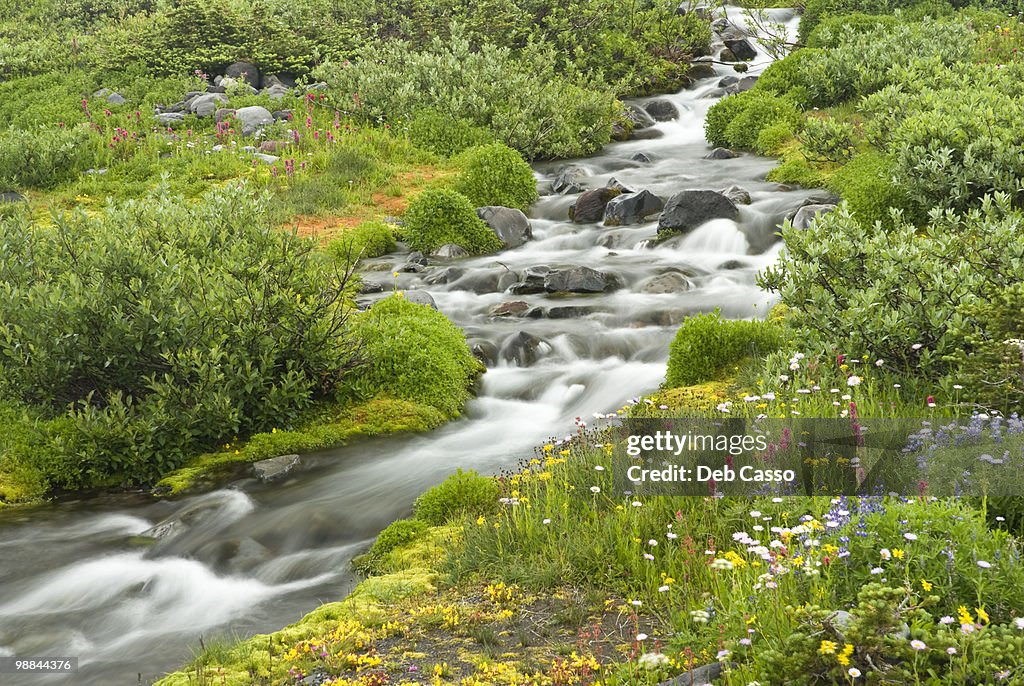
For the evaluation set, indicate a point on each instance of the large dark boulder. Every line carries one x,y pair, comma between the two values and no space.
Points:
246,71
669,282
531,280
578,280
11,197
741,47
631,208
589,207
662,110
685,211
509,224
701,70
721,154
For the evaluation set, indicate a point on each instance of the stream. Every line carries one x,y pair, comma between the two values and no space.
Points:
253,557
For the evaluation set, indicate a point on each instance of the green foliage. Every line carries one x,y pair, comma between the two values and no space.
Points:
738,120
412,352
496,175
519,98
866,184
826,139
707,346
178,325
464,493
439,216
369,239
774,137
901,294
441,134
397,534
42,158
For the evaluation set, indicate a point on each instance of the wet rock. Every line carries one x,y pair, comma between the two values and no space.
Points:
669,282
700,11
421,298
531,281
416,257
727,55
714,94
616,185
721,154
739,196
253,118
509,224
741,47
701,70
745,84
730,265
685,211
569,311
806,215
569,180
662,110
523,348
589,207
727,81
619,132
484,350
641,157
169,528
631,208
639,118
578,280
244,71
506,280
442,276
450,251
370,287
647,134
516,308
275,467
206,104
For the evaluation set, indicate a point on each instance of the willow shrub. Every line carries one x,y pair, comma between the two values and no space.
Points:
496,175
706,345
519,97
166,327
440,216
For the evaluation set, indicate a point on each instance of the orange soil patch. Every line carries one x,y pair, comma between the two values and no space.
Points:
383,204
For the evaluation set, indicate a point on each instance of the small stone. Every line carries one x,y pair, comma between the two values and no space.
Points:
275,467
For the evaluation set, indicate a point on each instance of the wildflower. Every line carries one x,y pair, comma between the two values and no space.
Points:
652,660
984,564
885,554
926,585
598,468
877,570
853,672
722,654
918,645
843,658
648,556
745,642
700,616
595,489
722,564
897,553
827,648
964,615
982,615
663,589
917,346
950,650
946,620
1019,623
641,637
879,363
931,401
546,521
652,543
636,603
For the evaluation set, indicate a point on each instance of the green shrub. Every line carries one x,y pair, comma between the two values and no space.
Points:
866,184
737,121
461,494
706,346
412,352
444,135
496,175
369,239
439,216
825,139
721,115
518,96
796,170
905,295
179,325
42,158
774,137
397,534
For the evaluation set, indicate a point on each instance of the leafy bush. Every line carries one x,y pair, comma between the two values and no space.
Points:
42,158
177,325
990,360
461,494
901,294
737,121
496,175
369,239
397,534
412,352
444,135
773,137
825,139
439,216
519,98
707,345
866,184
